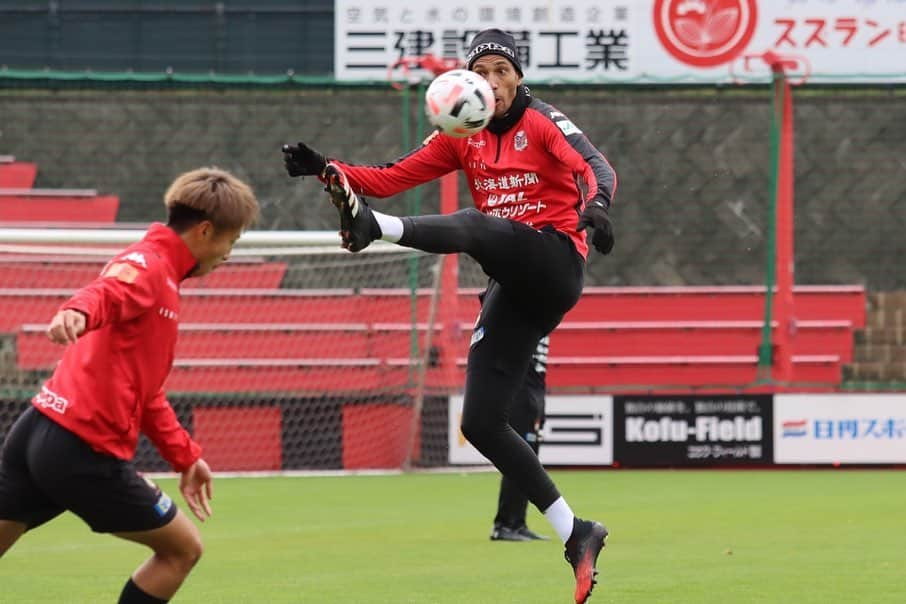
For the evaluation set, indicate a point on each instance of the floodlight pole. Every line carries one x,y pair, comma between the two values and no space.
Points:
444,307
785,333
447,310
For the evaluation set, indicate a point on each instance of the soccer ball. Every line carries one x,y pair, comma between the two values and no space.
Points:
459,103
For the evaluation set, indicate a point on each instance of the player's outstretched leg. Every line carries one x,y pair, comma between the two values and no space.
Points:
358,226
582,549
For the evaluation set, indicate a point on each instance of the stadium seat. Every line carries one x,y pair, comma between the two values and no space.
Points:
16,175
302,340
731,303
258,341
69,205
685,338
296,375
49,271
697,371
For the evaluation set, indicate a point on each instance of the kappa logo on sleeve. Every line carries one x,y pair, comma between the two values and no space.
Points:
137,258
567,127
121,272
433,134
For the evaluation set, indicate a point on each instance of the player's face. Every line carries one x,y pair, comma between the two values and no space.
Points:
503,78
211,247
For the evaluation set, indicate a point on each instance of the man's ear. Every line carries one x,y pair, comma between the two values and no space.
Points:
206,229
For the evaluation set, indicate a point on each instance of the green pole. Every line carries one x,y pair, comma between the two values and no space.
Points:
406,132
414,204
765,355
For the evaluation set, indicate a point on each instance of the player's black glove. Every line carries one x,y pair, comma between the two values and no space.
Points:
595,216
302,160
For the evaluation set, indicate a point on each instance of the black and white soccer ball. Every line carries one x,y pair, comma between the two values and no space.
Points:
459,103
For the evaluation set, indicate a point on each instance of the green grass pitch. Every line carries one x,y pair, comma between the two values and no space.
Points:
676,537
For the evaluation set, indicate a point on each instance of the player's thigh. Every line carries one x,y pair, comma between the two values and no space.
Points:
541,267
505,334
22,502
107,493
178,538
501,348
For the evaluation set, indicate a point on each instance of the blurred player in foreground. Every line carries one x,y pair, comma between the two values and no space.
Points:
537,183
73,448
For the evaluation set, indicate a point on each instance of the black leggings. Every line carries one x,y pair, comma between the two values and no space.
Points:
526,418
536,277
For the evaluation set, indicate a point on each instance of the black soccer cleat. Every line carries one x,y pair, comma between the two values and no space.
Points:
358,227
530,534
582,549
505,533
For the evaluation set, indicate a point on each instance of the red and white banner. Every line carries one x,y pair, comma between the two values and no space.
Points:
635,41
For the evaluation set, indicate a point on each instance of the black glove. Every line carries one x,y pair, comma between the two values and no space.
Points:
595,216
302,160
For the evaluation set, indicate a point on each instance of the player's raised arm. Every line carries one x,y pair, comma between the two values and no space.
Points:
432,159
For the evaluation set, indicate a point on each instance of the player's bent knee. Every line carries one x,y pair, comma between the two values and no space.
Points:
191,548
180,544
476,431
184,557
192,555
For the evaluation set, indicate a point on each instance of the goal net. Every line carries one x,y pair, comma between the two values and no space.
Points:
294,355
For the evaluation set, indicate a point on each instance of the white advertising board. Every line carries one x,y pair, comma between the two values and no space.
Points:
635,41
839,428
578,431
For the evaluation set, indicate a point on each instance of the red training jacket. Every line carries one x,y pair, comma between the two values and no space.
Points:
541,171
109,384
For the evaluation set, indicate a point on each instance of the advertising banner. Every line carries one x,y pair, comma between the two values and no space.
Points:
840,428
638,41
578,431
689,430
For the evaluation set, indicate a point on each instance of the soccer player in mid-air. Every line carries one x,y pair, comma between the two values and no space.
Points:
72,448
537,183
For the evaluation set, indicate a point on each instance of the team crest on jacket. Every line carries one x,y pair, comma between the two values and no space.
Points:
520,141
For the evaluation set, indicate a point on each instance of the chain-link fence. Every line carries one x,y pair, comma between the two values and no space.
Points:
693,165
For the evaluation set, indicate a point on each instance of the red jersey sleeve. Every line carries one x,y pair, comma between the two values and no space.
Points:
160,425
434,158
126,288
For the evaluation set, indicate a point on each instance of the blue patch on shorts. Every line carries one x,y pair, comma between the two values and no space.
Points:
163,505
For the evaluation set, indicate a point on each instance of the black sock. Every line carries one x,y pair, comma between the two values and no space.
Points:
132,594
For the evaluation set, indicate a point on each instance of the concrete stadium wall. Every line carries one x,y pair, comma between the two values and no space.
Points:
693,167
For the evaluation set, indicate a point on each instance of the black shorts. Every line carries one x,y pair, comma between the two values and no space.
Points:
46,470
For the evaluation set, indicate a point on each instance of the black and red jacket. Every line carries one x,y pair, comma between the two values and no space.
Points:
533,166
109,385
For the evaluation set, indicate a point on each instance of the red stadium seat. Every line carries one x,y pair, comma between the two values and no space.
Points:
70,205
16,175
302,340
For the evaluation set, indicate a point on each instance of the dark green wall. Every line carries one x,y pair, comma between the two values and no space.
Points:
234,36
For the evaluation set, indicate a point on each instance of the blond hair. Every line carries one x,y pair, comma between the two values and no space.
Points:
211,194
